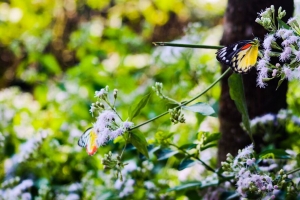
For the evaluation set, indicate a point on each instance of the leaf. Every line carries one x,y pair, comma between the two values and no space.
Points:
186,186
274,153
202,108
139,141
186,163
188,146
232,196
152,149
50,62
207,146
298,160
194,185
142,103
281,80
165,154
236,91
282,24
211,138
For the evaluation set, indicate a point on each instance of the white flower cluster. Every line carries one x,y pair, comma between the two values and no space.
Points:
126,187
107,127
109,124
269,123
27,149
250,180
18,191
2,140
289,68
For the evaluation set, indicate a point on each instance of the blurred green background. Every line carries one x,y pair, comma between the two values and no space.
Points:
55,54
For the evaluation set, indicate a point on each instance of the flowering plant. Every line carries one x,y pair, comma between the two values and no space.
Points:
282,42
252,179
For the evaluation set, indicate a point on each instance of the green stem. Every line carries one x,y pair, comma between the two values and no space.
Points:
185,103
198,159
113,108
291,172
186,45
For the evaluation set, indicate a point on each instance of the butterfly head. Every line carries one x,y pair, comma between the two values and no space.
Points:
255,41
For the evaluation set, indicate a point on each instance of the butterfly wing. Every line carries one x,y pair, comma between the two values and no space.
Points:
89,140
241,56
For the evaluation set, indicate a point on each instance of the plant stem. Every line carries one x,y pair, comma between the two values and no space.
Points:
186,45
185,103
291,172
198,159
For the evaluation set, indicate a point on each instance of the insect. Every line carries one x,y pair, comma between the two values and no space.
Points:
241,56
89,140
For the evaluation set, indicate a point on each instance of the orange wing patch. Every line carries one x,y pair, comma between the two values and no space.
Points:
92,146
246,46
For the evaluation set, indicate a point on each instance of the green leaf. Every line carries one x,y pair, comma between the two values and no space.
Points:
202,108
298,159
186,186
236,89
274,153
50,62
194,185
142,103
211,137
139,141
186,163
207,146
232,196
188,146
282,24
281,80
165,154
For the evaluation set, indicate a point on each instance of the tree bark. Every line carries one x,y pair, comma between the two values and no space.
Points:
239,24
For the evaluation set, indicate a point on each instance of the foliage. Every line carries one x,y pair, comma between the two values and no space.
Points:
65,51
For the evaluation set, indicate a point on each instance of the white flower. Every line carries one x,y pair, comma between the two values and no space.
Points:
268,41
274,72
263,72
262,63
116,133
280,32
297,54
285,55
127,125
103,137
260,83
250,162
288,72
287,34
100,93
291,20
296,73
245,153
131,166
118,184
267,117
149,185
267,53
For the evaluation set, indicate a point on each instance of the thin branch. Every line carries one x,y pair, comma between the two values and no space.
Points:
186,45
185,103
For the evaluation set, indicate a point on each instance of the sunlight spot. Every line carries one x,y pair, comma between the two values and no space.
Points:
15,15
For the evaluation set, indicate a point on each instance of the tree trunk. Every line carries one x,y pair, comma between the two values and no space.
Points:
240,24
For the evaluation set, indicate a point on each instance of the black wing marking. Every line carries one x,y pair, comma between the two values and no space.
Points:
83,140
226,54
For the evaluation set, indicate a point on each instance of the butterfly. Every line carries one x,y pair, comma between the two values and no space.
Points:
241,56
89,140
